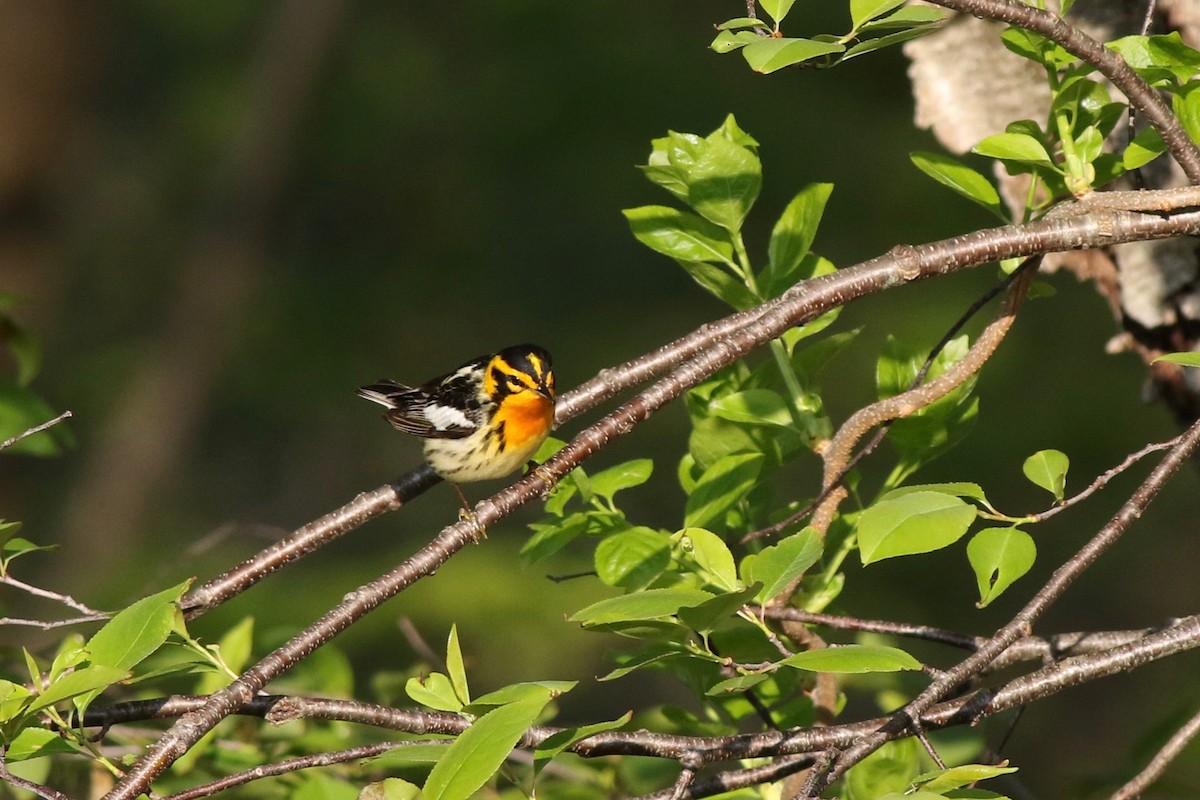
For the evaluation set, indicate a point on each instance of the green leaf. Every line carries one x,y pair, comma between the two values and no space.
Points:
1186,104
434,691
1144,148
721,487
793,234
999,557
853,658
720,284
481,749
727,41
958,489
556,743
456,667
19,546
607,483
1191,359
632,559
36,743
768,55
879,43
889,769
865,10
644,605
919,522
943,780
960,178
678,234
706,616
739,683
754,407
1019,147
742,22
93,679
1048,469
1166,53
630,662
778,9
907,17
137,631
780,564
518,692
725,178
13,699
711,555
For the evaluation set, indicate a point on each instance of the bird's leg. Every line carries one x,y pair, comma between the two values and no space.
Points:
467,515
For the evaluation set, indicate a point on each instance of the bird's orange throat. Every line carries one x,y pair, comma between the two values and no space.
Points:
526,417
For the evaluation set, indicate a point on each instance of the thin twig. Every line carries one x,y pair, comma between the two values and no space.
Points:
1105,477
1162,759
65,599
288,765
36,429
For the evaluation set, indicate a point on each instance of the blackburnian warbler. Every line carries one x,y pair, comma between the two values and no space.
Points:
483,420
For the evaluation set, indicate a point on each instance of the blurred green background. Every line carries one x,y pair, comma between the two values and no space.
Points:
223,217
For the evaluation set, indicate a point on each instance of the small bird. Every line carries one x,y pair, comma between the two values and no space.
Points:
483,420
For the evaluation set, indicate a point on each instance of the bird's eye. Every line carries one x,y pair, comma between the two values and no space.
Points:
514,385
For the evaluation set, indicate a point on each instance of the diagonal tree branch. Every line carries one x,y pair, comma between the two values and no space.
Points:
1085,227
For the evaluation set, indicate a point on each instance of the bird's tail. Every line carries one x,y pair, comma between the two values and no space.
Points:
384,392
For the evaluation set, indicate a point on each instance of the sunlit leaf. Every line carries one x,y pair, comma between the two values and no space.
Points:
1014,147
918,522
999,557
793,235
434,691
456,667
644,605
944,780
864,10
678,234
711,555
607,483
853,658
960,178
768,55
475,755
780,564
632,559
1048,469
753,406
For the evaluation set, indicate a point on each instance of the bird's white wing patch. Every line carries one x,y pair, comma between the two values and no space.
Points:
445,417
